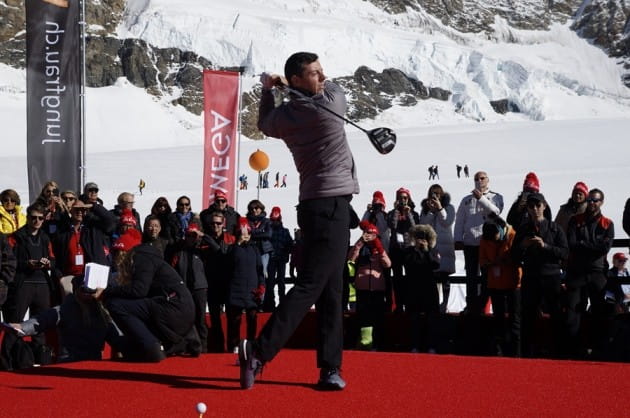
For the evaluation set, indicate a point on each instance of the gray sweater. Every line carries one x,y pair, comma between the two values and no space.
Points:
316,139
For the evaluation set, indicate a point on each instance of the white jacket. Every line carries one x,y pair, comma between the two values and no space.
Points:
472,213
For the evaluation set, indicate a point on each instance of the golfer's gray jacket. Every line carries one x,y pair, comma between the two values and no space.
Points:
316,139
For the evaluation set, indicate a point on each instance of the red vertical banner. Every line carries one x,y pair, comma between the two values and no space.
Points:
221,95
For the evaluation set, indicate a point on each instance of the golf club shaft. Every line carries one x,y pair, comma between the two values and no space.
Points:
302,95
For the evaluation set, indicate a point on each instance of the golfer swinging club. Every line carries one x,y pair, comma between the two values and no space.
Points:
317,141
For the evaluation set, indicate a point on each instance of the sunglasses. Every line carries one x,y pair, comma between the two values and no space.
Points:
68,198
216,223
593,200
36,217
533,205
9,200
480,178
93,190
221,201
183,204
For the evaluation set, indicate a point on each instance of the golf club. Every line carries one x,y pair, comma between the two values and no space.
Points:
383,139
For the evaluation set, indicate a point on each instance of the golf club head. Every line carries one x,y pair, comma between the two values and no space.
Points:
383,139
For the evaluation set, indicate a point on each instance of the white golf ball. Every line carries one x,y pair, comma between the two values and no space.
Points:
202,408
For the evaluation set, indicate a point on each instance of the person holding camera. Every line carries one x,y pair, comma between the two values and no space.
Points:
539,246
32,285
400,220
438,212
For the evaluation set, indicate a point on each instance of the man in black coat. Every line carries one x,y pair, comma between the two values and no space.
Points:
8,264
539,246
590,237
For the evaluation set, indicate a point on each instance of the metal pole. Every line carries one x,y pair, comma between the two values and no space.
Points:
82,22
238,140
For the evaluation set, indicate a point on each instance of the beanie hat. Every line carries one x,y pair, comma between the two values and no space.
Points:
368,227
220,194
378,198
401,191
128,240
88,186
581,187
531,183
276,214
619,256
127,218
244,223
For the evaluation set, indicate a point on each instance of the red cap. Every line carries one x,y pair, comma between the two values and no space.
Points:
368,227
127,218
531,183
378,198
401,191
128,240
581,187
220,194
276,214
619,256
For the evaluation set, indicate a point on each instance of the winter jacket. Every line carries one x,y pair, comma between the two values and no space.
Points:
177,230
98,225
442,223
379,219
261,232
8,264
518,211
399,225
28,247
281,241
496,260
590,238
230,215
472,213
369,266
218,266
188,262
247,275
7,222
568,210
170,303
316,139
536,261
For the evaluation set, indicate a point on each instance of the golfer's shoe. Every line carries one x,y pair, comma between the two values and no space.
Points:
250,365
330,379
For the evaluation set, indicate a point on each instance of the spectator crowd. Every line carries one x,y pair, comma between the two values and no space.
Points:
168,270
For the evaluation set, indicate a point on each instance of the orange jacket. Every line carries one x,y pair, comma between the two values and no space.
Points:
494,258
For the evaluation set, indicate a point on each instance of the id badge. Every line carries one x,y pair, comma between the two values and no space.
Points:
78,260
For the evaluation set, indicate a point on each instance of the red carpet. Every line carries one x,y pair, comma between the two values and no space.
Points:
379,384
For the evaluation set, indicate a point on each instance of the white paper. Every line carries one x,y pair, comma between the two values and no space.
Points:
96,276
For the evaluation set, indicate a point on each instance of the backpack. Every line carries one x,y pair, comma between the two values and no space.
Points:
16,354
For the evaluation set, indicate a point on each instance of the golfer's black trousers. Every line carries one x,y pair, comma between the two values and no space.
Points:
324,223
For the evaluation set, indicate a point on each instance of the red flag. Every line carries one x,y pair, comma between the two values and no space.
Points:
221,94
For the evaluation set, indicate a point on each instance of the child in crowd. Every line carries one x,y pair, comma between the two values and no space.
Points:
246,287
370,260
503,277
420,261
